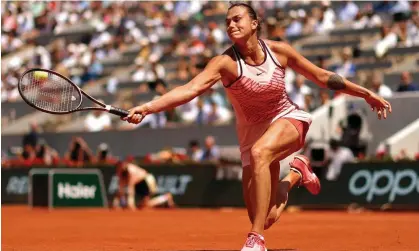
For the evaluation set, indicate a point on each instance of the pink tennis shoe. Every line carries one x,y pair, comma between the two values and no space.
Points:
301,165
254,242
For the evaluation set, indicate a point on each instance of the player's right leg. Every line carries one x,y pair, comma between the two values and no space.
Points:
279,192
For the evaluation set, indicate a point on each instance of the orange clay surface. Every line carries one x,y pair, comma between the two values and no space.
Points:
202,229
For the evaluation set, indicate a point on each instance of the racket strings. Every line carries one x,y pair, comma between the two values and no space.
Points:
50,92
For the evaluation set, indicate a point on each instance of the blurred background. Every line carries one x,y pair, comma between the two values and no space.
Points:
127,53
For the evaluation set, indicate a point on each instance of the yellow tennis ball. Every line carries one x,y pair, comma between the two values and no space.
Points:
40,74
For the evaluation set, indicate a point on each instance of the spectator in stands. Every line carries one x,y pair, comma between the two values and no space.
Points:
295,28
199,30
211,152
31,138
160,87
215,33
212,95
309,103
322,62
376,80
383,6
407,84
348,12
11,81
326,18
366,18
382,154
158,120
273,29
299,90
195,46
5,160
166,155
212,110
406,29
338,155
157,70
324,97
310,21
216,114
46,155
10,42
28,155
182,72
195,152
201,117
413,28
78,153
188,112
97,121
347,68
387,41
104,155
95,69
140,74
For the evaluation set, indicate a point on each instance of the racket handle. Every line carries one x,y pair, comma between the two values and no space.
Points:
119,112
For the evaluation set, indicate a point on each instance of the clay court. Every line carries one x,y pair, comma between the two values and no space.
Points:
195,229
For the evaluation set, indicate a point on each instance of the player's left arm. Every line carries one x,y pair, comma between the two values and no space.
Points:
328,79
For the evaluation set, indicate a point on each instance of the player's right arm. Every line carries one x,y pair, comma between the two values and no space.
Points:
182,94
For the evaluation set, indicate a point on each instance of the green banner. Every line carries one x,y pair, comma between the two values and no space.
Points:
76,190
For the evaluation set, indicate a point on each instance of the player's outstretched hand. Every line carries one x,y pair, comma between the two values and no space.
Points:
378,104
136,114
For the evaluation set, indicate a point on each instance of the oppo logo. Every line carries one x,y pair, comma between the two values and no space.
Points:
390,183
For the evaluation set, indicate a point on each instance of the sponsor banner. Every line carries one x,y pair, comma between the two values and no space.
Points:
189,184
76,190
14,185
368,184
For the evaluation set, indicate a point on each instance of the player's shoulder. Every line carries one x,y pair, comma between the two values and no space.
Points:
280,47
222,60
228,55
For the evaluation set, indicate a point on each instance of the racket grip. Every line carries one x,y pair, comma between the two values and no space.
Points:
119,112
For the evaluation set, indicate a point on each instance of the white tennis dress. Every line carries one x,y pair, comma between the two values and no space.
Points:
259,98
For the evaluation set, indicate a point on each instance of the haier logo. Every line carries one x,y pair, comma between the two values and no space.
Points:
78,191
392,185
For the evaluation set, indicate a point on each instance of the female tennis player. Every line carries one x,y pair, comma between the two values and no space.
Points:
141,188
269,126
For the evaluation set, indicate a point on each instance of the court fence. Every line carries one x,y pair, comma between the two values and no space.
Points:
371,185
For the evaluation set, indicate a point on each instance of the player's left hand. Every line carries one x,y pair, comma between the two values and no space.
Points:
378,104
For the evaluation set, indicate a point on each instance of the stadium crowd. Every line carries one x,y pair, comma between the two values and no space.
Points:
178,30
35,151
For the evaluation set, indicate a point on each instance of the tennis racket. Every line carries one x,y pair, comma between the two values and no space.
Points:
51,92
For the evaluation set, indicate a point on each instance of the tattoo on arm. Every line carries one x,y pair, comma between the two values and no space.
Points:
335,82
